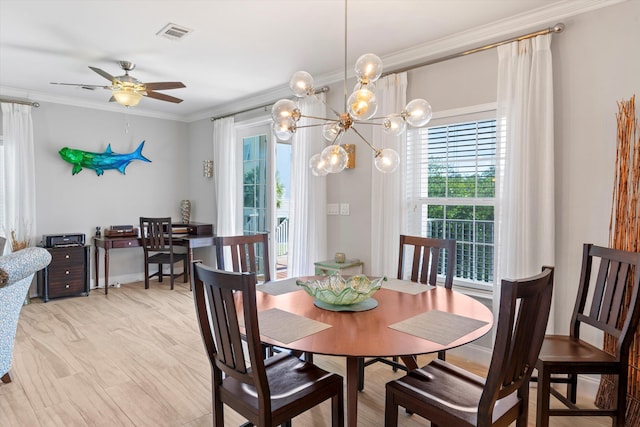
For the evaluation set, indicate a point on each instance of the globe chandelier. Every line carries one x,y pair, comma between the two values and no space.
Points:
359,108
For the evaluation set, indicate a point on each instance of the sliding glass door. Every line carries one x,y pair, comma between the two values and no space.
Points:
265,190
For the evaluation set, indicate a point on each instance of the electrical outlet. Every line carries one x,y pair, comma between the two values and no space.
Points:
344,208
332,209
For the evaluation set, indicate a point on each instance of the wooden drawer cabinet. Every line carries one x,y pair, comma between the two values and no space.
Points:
67,274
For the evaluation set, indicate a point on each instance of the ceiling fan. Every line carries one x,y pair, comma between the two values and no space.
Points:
127,90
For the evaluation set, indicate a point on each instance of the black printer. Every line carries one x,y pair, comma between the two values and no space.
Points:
63,240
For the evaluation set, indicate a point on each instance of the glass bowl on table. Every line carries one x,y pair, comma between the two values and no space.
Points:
336,293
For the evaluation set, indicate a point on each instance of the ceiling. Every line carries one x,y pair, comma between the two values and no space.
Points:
241,52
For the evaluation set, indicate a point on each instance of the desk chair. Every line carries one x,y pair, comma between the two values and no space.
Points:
272,391
613,309
249,253
157,243
427,255
447,395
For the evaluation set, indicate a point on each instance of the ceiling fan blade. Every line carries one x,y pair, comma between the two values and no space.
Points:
164,85
82,85
103,73
162,97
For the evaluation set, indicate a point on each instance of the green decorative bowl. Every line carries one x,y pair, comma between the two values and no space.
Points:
336,290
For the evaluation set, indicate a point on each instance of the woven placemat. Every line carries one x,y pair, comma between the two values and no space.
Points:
438,326
406,286
279,287
287,327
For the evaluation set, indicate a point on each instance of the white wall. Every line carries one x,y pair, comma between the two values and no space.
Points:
596,64
67,203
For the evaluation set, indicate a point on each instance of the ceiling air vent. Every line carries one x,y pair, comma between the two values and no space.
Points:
174,32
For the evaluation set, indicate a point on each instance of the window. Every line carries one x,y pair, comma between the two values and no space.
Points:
254,172
451,170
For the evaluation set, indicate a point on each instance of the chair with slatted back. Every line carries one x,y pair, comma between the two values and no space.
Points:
249,253
427,254
606,301
271,391
447,395
157,244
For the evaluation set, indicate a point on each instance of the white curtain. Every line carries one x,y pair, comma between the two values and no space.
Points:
228,178
19,174
388,204
308,202
525,177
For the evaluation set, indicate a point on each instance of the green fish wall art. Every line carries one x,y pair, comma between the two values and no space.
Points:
100,161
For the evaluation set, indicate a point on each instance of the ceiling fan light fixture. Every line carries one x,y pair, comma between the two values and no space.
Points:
127,97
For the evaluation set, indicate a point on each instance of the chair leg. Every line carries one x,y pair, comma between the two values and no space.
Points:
146,276
572,387
544,395
6,378
159,272
390,410
360,373
171,277
621,403
523,417
337,409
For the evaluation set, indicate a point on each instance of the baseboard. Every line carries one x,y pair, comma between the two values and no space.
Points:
473,353
115,281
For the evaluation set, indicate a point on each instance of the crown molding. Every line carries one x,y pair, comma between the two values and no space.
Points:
33,96
541,18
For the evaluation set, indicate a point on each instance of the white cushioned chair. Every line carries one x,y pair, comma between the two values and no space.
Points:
16,273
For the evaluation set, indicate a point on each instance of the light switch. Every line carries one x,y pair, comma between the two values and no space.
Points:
332,209
344,208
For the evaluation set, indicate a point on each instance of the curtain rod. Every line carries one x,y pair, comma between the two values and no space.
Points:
558,28
321,90
13,101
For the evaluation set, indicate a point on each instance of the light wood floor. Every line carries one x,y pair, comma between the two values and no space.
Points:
135,358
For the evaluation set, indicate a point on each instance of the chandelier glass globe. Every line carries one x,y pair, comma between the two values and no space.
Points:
301,84
387,160
394,125
362,104
368,68
335,158
417,112
317,165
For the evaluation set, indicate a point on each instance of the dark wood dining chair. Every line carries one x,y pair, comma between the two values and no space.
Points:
427,254
272,391
606,301
157,244
249,253
447,395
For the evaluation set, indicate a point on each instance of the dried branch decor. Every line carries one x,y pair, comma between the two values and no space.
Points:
18,243
624,233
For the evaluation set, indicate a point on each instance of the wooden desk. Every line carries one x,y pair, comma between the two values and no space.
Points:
108,243
367,333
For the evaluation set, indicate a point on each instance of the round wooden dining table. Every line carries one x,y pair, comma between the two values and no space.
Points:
368,333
